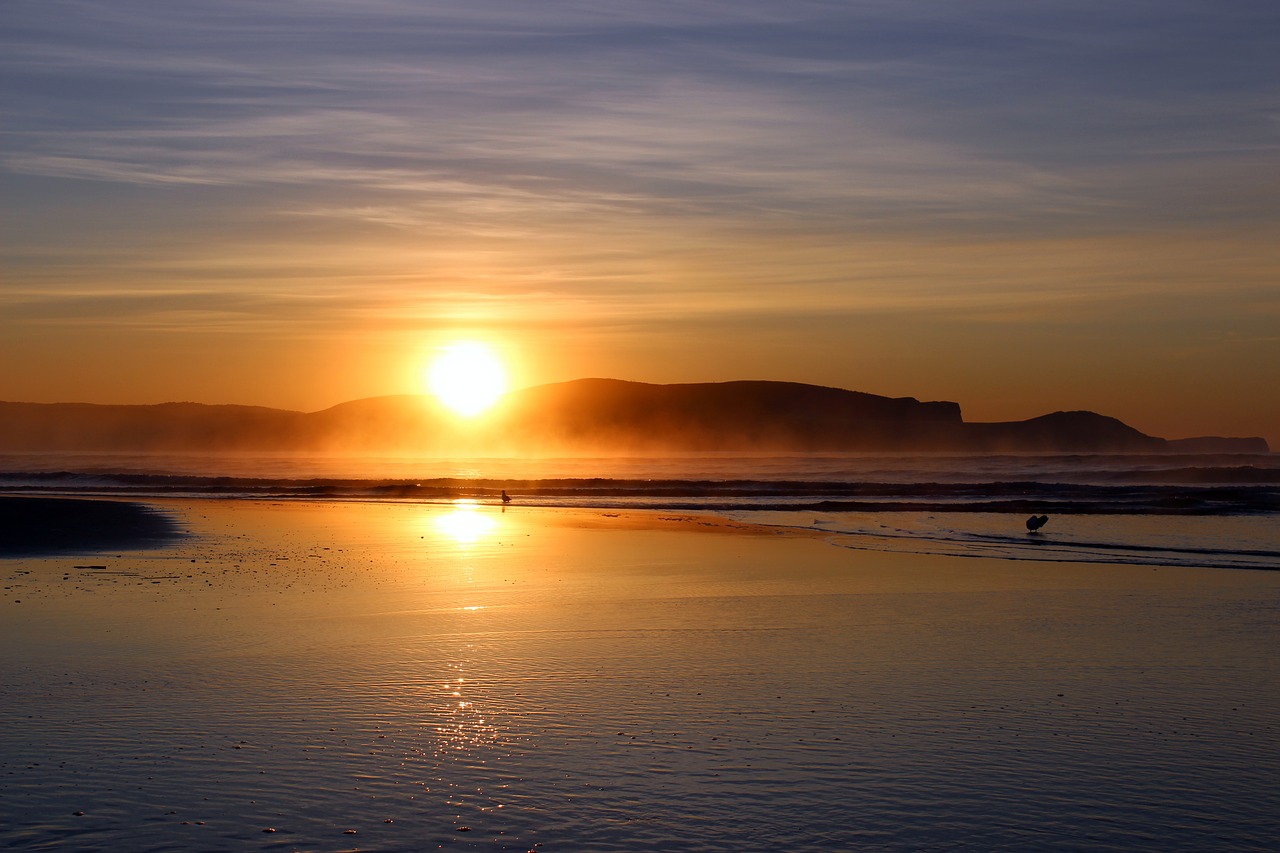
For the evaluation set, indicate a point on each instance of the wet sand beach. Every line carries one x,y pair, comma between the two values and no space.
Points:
390,676
30,526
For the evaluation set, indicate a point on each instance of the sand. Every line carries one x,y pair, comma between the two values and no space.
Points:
32,526
404,677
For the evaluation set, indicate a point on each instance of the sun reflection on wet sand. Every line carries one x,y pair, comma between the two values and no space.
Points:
466,524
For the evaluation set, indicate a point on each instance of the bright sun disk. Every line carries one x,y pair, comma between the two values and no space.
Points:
468,378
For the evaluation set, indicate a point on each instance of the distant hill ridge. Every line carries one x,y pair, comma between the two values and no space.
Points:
585,416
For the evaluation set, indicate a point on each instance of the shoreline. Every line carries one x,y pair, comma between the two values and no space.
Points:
35,526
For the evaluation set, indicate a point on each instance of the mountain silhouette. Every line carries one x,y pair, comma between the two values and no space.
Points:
587,416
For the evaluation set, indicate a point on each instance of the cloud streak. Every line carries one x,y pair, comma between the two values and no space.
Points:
856,111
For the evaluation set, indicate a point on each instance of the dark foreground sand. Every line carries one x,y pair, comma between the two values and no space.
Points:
32,526
400,677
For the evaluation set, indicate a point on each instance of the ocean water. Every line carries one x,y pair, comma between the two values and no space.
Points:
1220,511
394,675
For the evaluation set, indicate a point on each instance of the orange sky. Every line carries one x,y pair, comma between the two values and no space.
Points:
1018,209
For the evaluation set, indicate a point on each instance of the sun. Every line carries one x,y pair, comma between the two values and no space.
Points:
468,377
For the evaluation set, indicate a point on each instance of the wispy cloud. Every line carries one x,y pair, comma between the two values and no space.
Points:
863,111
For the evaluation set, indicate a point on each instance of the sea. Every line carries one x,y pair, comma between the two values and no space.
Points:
1194,510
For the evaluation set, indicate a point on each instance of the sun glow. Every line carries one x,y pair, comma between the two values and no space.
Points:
468,378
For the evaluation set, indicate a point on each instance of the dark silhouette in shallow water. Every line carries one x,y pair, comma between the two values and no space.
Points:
506,498
1035,522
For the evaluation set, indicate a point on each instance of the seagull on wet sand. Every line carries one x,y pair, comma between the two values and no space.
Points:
1034,523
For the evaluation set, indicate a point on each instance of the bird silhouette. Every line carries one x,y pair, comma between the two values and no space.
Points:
1035,522
506,498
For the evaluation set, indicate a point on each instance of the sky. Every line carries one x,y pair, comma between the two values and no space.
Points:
1019,205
